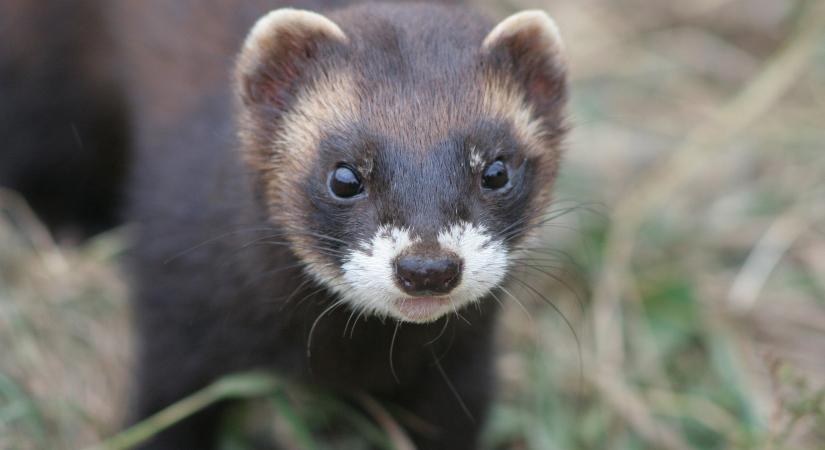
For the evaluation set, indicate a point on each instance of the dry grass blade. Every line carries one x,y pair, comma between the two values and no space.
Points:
771,247
233,386
754,100
395,433
635,411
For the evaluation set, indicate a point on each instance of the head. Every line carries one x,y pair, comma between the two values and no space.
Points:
405,150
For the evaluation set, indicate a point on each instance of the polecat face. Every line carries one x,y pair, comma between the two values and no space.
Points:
406,151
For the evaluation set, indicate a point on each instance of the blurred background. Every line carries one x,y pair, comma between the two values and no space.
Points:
676,302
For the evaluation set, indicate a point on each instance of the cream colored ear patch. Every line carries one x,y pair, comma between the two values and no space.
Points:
276,22
265,35
526,21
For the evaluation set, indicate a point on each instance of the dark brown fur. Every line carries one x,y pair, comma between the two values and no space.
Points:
226,242
63,124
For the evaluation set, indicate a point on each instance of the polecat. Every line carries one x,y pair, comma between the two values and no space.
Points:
389,161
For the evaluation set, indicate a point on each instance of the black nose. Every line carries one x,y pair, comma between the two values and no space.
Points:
423,275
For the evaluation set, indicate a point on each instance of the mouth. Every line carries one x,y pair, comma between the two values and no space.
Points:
421,309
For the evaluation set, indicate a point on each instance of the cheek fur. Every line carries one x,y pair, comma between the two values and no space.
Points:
369,270
485,259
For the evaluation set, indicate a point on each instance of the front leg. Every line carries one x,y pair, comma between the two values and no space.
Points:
167,371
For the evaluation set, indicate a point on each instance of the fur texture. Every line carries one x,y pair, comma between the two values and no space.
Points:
245,259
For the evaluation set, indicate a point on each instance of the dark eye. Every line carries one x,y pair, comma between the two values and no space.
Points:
345,182
495,176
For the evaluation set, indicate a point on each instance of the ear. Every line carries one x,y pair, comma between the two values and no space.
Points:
278,52
528,45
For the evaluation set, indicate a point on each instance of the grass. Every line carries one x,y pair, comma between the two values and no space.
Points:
696,289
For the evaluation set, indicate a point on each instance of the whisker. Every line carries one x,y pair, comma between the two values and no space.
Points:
537,224
497,299
449,344
352,330
327,251
524,225
452,388
559,280
349,318
315,323
392,346
523,308
546,262
324,237
557,255
209,241
280,233
564,318
440,333
306,281
455,311
266,274
311,294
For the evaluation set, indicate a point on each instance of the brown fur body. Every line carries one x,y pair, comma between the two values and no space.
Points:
236,240
230,306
